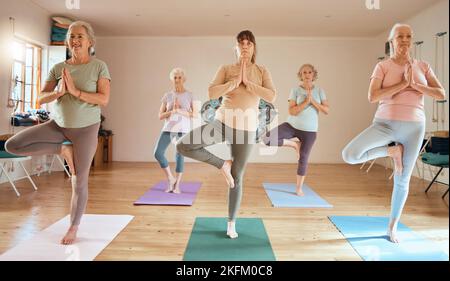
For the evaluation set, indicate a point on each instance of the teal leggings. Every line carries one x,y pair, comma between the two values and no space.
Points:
163,143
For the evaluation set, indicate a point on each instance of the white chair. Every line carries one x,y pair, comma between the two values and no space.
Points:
57,157
373,162
386,161
6,158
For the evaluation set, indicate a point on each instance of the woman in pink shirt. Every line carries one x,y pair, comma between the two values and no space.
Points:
399,84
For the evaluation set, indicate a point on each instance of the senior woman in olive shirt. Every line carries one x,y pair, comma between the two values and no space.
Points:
82,84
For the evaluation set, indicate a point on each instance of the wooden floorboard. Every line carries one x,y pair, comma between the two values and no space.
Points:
162,232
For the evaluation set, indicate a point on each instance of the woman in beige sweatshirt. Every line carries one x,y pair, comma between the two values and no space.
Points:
241,86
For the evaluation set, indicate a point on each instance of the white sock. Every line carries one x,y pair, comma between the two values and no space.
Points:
231,230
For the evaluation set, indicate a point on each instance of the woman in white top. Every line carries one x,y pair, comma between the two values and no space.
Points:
177,111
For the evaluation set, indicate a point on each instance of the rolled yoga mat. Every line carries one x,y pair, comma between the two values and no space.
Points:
209,242
367,235
283,195
157,196
94,234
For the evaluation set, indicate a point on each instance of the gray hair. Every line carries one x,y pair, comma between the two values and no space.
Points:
89,32
314,70
176,70
392,35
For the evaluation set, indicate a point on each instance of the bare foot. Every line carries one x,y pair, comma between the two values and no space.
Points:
396,152
70,236
177,188
393,236
67,154
226,172
392,232
297,148
172,181
299,192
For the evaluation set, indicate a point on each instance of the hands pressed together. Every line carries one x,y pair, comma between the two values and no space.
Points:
309,99
178,110
408,78
66,84
176,107
242,78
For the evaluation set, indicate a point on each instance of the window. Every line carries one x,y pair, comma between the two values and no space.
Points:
25,76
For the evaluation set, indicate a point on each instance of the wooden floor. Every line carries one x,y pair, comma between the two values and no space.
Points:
162,233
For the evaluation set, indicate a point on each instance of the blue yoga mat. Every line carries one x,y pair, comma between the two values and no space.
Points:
283,195
367,235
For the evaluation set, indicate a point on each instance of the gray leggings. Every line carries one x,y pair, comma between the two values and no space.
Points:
47,138
193,145
373,143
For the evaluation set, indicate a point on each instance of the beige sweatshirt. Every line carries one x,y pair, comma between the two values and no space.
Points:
239,109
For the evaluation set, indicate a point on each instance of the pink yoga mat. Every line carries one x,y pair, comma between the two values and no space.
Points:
157,196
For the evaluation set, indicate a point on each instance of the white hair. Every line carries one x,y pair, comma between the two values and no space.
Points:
314,70
392,35
177,70
89,32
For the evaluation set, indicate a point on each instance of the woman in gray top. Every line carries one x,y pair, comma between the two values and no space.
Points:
82,85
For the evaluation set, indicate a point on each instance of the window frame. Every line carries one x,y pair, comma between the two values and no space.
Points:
19,104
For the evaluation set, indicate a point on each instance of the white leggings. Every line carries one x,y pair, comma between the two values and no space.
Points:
373,143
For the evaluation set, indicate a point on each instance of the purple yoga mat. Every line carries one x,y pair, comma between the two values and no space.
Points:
157,196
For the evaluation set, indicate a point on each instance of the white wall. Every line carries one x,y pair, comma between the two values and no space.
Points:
140,68
31,23
425,25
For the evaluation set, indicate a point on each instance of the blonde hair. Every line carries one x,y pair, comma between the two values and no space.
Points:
176,70
392,36
89,31
314,70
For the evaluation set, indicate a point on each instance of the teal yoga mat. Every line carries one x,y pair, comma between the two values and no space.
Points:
367,235
209,242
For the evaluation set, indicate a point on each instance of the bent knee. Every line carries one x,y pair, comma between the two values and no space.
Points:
11,146
349,156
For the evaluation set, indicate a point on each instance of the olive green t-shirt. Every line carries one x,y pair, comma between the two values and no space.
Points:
69,111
